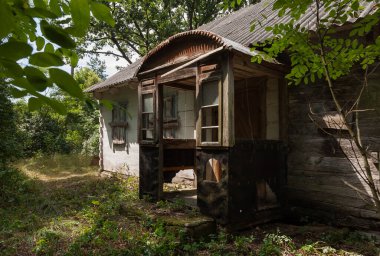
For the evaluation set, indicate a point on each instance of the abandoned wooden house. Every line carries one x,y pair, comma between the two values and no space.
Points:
197,102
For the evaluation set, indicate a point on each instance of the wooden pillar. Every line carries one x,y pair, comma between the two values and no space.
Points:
228,90
159,135
283,109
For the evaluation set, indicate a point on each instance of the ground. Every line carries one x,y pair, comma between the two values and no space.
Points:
61,206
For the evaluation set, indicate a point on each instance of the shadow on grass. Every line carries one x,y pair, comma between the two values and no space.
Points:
66,212
53,206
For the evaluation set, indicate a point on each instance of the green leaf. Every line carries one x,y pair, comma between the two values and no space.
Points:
107,103
23,83
66,82
45,59
40,13
40,42
34,104
80,12
11,68
95,202
16,93
36,78
74,59
15,50
57,35
56,105
49,48
55,8
102,13
7,22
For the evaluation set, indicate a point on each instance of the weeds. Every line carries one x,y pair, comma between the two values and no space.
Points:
71,212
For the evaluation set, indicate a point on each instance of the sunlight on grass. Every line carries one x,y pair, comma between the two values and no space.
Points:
56,166
63,207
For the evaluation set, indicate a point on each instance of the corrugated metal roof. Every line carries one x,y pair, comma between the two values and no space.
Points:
234,30
237,25
126,74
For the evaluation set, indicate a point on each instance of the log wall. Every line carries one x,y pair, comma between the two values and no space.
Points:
318,169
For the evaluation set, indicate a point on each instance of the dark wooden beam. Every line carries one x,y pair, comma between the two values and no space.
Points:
179,75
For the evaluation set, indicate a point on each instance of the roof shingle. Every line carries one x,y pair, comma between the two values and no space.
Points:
236,27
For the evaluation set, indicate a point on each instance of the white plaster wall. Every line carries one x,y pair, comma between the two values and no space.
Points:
121,158
272,106
186,116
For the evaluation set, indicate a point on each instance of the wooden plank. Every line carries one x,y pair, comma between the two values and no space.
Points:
177,168
337,187
202,57
339,210
182,86
178,76
139,113
147,82
198,104
283,109
159,134
211,67
331,198
178,143
210,76
244,62
227,107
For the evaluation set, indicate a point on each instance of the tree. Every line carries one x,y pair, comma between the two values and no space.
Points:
23,50
317,52
141,25
98,66
8,137
47,132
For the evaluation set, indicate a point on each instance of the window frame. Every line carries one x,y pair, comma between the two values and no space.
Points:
119,126
154,113
213,78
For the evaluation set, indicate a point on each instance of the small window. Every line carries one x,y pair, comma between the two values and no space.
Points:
147,117
266,198
170,124
213,170
210,112
119,124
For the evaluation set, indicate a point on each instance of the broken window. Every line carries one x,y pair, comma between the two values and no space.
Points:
213,170
170,116
266,198
210,129
119,124
147,117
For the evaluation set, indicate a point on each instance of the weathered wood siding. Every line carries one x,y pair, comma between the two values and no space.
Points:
318,170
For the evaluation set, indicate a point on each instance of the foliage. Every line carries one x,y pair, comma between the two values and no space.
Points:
98,66
318,50
304,44
24,50
276,244
8,138
141,25
48,133
67,209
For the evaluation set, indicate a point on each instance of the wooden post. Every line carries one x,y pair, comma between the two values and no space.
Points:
159,135
198,102
227,108
283,111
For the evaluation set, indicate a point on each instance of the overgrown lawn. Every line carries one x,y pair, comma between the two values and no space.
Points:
60,206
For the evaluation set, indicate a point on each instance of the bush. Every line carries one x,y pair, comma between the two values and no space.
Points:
9,148
13,185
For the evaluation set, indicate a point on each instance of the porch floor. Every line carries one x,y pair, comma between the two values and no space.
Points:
188,195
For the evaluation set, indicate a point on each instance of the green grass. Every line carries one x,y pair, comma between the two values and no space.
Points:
60,206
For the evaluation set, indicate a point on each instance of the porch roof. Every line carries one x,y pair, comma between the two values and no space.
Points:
232,31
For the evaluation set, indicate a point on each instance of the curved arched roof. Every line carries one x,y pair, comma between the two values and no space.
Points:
234,30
